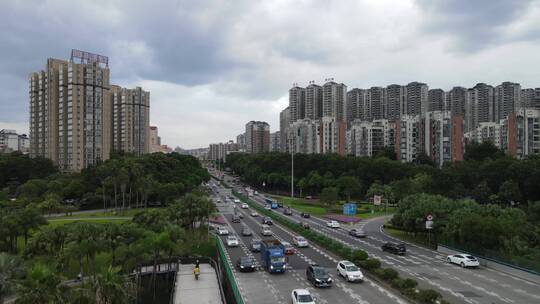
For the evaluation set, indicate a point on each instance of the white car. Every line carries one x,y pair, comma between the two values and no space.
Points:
222,231
463,260
302,296
300,241
267,207
350,271
244,206
254,214
232,241
332,224
236,200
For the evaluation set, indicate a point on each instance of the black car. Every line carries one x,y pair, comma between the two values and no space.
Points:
245,264
287,211
357,233
236,218
255,245
394,248
266,220
305,215
318,276
304,225
246,231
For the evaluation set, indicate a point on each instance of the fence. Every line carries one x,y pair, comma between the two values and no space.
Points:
229,273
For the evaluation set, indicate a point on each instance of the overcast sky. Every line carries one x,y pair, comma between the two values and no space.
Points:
211,66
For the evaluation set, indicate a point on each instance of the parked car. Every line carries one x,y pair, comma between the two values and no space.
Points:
236,218
302,296
318,276
332,224
463,260
232,241
254,214
265,230
300,241
349,271
357,233
245,264
246,231
287,211
305,215
267,220
394,248
255,245
222,231
289,249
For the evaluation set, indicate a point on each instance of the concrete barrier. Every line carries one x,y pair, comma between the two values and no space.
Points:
508,269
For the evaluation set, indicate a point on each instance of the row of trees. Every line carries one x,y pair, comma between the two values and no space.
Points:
512,234
121,182
487,175
102,253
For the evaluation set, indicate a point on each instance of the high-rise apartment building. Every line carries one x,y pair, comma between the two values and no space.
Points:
416,99
130,120
395,101
356,105
334,101
257,137
507,100
10,141
332,136
154,141
304,136
408,136
443,137
70,112
313,101
297,98
530,98
479,105
523,132
436,100
456,101
365,138
241,141
275,141
284,126
375,103
220,151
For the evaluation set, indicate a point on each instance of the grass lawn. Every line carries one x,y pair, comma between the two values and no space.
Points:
63,221
302,205
126,213
420,239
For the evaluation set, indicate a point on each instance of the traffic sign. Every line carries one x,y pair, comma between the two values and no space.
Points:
349,209
377,200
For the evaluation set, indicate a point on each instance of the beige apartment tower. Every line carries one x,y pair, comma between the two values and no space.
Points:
69,113
130,120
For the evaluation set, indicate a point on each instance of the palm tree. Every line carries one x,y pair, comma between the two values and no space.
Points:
41,286
11,268
110,286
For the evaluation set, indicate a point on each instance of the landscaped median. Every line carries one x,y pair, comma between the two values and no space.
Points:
388,276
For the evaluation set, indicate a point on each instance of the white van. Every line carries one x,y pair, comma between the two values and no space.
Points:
265,230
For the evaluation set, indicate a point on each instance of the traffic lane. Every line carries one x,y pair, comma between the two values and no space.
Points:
484,280
368,292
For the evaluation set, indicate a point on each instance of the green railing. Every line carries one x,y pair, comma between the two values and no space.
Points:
229,273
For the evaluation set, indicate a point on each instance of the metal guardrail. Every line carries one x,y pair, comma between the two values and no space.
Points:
229,273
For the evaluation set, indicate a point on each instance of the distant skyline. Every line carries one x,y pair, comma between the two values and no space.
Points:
213,66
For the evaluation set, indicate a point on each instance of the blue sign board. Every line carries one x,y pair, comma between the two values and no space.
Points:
349,209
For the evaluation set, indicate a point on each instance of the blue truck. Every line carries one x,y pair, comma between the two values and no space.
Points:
273,256
272,203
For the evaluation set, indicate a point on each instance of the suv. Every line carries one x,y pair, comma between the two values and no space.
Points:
318,276
349,271
265,230
394,248
255,245
267,220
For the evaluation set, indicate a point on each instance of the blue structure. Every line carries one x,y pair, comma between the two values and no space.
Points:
349,209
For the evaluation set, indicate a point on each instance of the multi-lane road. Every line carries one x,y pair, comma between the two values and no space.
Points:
430,269
262,287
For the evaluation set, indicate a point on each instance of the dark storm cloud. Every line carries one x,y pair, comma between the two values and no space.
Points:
473,24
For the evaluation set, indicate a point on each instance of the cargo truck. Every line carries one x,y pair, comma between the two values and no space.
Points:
273,256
